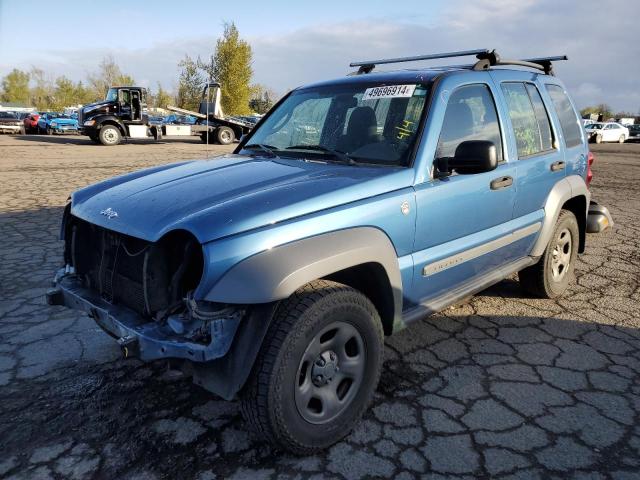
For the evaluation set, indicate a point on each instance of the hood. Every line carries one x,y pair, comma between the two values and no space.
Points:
63,121
223,196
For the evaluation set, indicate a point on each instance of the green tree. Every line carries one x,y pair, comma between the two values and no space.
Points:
601,109
108,75
262,98
190,84
85,95
15,87
65,93
162,98
230,66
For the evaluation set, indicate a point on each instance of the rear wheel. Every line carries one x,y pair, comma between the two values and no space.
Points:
550,277
317,369
109,135
225,135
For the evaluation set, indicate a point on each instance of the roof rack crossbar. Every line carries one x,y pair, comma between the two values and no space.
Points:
490,59
369,65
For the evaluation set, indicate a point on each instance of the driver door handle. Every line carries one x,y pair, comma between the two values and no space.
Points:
555,166
501,182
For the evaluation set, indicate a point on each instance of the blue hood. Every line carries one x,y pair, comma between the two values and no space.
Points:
64,121
228,195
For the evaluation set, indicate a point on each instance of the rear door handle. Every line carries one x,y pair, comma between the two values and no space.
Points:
555,166
502,182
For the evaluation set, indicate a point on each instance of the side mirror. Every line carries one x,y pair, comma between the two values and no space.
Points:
472,156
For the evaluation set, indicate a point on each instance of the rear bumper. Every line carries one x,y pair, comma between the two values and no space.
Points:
598,218
140,337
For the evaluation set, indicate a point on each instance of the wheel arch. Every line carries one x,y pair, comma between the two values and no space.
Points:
570,193
362,257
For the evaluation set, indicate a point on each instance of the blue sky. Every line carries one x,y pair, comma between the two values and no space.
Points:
299,42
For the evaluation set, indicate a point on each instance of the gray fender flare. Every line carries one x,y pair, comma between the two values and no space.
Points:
277,273
564,190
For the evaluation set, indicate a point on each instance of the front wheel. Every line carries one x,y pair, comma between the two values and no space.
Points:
109,135
49,131
621,139
317,369
550,277
598,138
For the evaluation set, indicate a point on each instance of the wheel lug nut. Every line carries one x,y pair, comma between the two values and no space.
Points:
320,362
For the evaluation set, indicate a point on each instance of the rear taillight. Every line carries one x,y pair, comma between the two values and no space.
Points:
590,159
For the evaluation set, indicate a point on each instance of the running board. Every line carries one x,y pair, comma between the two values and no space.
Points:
440,302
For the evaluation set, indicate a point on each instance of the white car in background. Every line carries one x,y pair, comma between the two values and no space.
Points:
607,132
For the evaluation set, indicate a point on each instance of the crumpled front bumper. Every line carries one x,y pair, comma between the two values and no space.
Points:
140,337
598,218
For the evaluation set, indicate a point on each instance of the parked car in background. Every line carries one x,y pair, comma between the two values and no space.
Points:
634,133
10,123
175,119
156,120
607,132
30,122
53,122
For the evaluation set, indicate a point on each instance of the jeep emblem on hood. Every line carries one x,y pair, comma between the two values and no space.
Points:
109,213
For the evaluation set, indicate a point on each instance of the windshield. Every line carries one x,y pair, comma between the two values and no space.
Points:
112,95
369,123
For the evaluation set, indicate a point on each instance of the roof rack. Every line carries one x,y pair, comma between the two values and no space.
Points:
486,59
491,59
369,65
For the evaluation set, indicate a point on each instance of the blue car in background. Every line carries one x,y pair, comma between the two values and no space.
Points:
53,122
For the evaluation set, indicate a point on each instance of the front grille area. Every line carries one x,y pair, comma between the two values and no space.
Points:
149,278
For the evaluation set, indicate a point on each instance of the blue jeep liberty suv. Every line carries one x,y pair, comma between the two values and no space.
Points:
355,207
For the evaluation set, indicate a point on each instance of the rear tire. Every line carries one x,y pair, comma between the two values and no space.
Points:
317,369
550,276
225,135
109,135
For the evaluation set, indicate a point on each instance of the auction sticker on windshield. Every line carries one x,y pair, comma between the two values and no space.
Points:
389,91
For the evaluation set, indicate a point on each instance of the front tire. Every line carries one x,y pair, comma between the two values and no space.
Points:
550,277
317,369
109,135
598,138
621,139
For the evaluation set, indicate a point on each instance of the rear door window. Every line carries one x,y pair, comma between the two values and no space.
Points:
529,119
567,115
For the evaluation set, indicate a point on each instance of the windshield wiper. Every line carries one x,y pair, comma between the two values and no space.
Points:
343,157
263,147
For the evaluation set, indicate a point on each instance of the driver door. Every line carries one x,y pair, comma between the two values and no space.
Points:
124,102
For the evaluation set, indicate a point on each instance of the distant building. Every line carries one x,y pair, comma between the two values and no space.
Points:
15,107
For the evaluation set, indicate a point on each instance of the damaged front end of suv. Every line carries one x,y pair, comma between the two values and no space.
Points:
142,293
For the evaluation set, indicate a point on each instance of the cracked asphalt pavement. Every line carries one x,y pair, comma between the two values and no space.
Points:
501,386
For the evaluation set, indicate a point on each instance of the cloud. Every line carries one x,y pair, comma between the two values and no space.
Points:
600,43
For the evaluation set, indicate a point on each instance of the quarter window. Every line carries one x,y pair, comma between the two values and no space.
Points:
567,115
471,115
529,119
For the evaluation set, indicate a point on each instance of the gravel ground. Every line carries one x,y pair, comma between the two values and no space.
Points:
503,386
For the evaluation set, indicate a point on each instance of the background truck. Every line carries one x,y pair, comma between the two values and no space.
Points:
123,114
